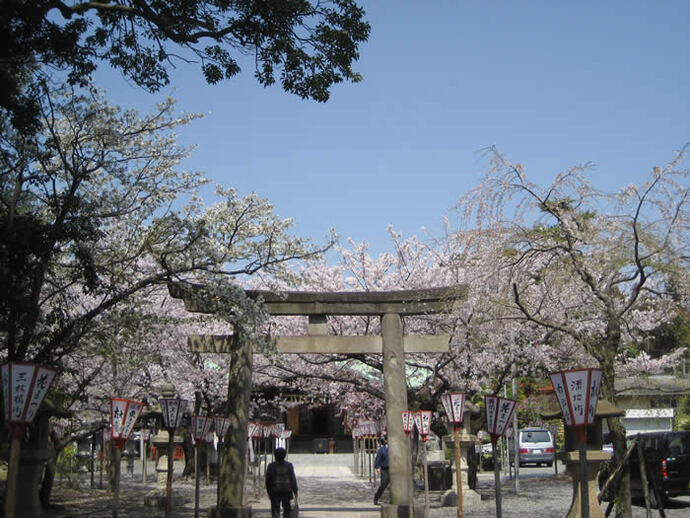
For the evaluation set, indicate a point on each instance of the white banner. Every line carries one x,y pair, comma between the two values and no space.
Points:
118,409
504,414
43,378
578,394
425,416
562,396
417,417
457,403
21,375
406,421
133,411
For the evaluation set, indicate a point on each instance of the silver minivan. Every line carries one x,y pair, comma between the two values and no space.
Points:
535,447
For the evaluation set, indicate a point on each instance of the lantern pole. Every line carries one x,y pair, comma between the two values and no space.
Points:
458,467
222,424
201,425
123,416
498,414
497,476
172,410
169,479
102,460
117,457
426,479
584,489
577,392
196,479
146,436
16,431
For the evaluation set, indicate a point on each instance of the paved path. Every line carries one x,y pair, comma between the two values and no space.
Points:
330,489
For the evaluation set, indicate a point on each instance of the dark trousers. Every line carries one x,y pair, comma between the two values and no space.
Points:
385,480
276,500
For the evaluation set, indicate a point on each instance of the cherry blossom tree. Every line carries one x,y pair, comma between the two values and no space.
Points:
591,270
485,347
94,213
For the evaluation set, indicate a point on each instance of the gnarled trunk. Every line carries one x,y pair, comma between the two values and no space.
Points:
48,480
622,495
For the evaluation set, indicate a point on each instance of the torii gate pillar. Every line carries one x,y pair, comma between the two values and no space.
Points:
395,389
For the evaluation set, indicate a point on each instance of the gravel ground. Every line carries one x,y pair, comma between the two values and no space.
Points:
341,494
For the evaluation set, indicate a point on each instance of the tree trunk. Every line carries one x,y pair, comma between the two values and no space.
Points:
623,494
48,480
188,448
608,392
111,467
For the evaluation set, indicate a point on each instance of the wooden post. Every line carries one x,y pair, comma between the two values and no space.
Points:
169,480
584,486
100,477
16,431
144,451
516,442
220,463
426,483
117,456
196,481
93,452
458,469
497,478
354,456
207,449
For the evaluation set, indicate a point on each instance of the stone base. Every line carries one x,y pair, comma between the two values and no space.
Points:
594,460
158,497
230,512
469,498
401,511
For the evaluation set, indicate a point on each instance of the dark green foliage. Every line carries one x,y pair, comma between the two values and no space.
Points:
671,335
308,45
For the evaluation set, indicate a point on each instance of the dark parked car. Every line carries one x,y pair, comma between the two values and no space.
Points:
667,455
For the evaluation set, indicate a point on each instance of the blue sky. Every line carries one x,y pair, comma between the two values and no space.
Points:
551,84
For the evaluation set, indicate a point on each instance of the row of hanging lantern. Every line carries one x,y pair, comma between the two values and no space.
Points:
172,412
124,414
577,392
364,438
202,434
275,431
368,429
499,412
420,419
263,438
256,430
25,386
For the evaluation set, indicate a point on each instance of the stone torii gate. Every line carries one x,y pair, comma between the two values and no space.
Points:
389,306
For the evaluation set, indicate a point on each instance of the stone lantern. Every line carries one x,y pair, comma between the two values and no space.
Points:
595,456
